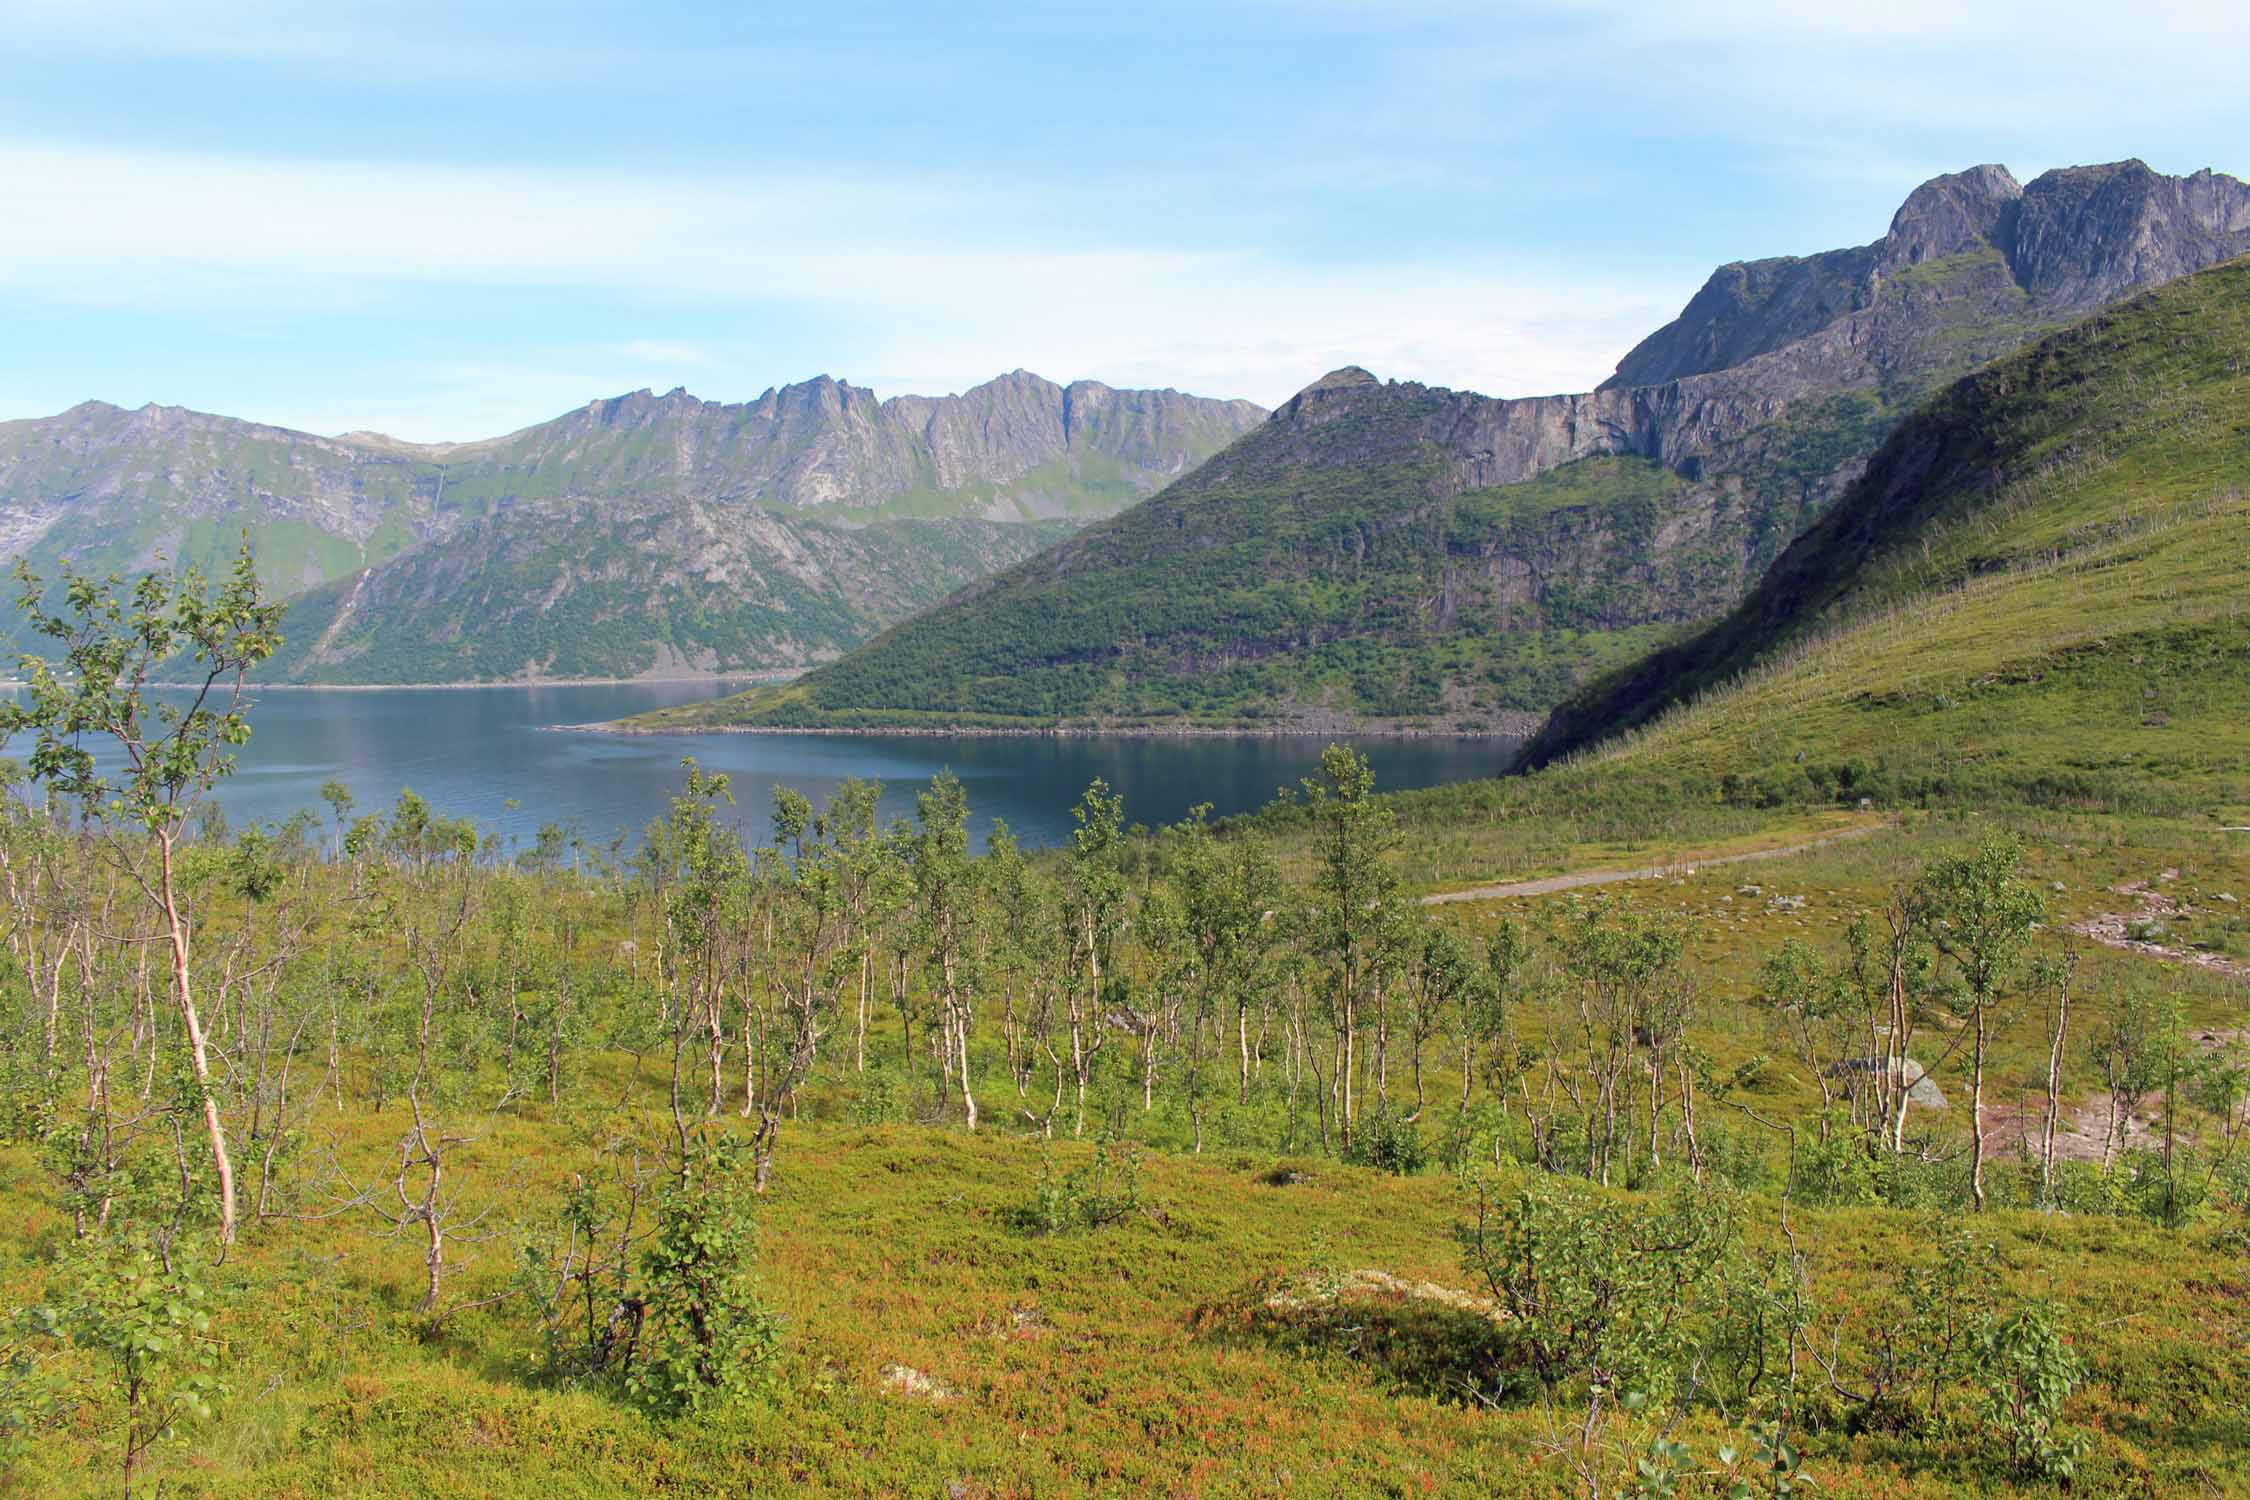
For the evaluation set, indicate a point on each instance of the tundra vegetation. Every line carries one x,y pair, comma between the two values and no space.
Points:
801,1150
361,1155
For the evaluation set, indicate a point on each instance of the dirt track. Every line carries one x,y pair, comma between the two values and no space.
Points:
1550,884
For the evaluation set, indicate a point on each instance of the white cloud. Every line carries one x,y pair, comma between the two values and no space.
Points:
938,282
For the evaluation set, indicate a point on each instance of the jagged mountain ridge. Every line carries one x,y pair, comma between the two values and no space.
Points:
1412,556
2075,240
112,490
1016,448
828,443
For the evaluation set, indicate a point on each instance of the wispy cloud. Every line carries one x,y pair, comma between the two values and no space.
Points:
444,216
941,283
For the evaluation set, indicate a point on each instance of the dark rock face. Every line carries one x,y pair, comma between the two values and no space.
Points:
1748,309
2074,240
1950,214
2089,235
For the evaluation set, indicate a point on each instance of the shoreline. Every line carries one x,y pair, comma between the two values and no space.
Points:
754,679
626,730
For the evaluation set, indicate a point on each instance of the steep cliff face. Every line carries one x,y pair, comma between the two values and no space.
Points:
1404,554
112,490
2072,241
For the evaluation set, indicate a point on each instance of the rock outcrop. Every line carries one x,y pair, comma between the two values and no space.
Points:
2074,240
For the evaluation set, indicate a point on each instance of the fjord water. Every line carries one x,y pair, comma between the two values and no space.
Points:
495,755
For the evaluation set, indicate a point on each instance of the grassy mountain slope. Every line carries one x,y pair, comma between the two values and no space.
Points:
1410,557
2037,587
110,490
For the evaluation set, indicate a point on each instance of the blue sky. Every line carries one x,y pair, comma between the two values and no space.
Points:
447,221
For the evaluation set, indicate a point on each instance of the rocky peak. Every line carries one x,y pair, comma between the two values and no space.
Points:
1341,380
1947,215
617,411
1748,309
2087,235
1018,379
2073,240
1332,394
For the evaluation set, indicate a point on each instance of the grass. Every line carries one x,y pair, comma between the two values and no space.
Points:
1143,1358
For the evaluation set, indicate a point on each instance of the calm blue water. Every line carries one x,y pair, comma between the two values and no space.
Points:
489,754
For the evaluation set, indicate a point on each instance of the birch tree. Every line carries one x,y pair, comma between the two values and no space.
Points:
169,756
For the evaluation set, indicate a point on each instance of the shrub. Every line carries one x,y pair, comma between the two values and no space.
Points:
142,1308
1387,1140
1836,1165
1601,1293
707,1337
2029,1371
1104,1191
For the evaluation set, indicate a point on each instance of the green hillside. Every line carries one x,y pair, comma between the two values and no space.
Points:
2037,589
1327,570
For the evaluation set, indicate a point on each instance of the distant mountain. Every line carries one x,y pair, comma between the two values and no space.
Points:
1406,556
798,468
627,589
2034,593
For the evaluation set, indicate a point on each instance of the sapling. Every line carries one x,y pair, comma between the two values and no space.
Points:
706,1337
143,1313
170,756
1982,918
2028,1371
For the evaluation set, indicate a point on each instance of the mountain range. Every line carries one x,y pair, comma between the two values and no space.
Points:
641,535
1386,554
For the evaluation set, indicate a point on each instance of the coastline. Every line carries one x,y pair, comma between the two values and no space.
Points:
750,679
1509,736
